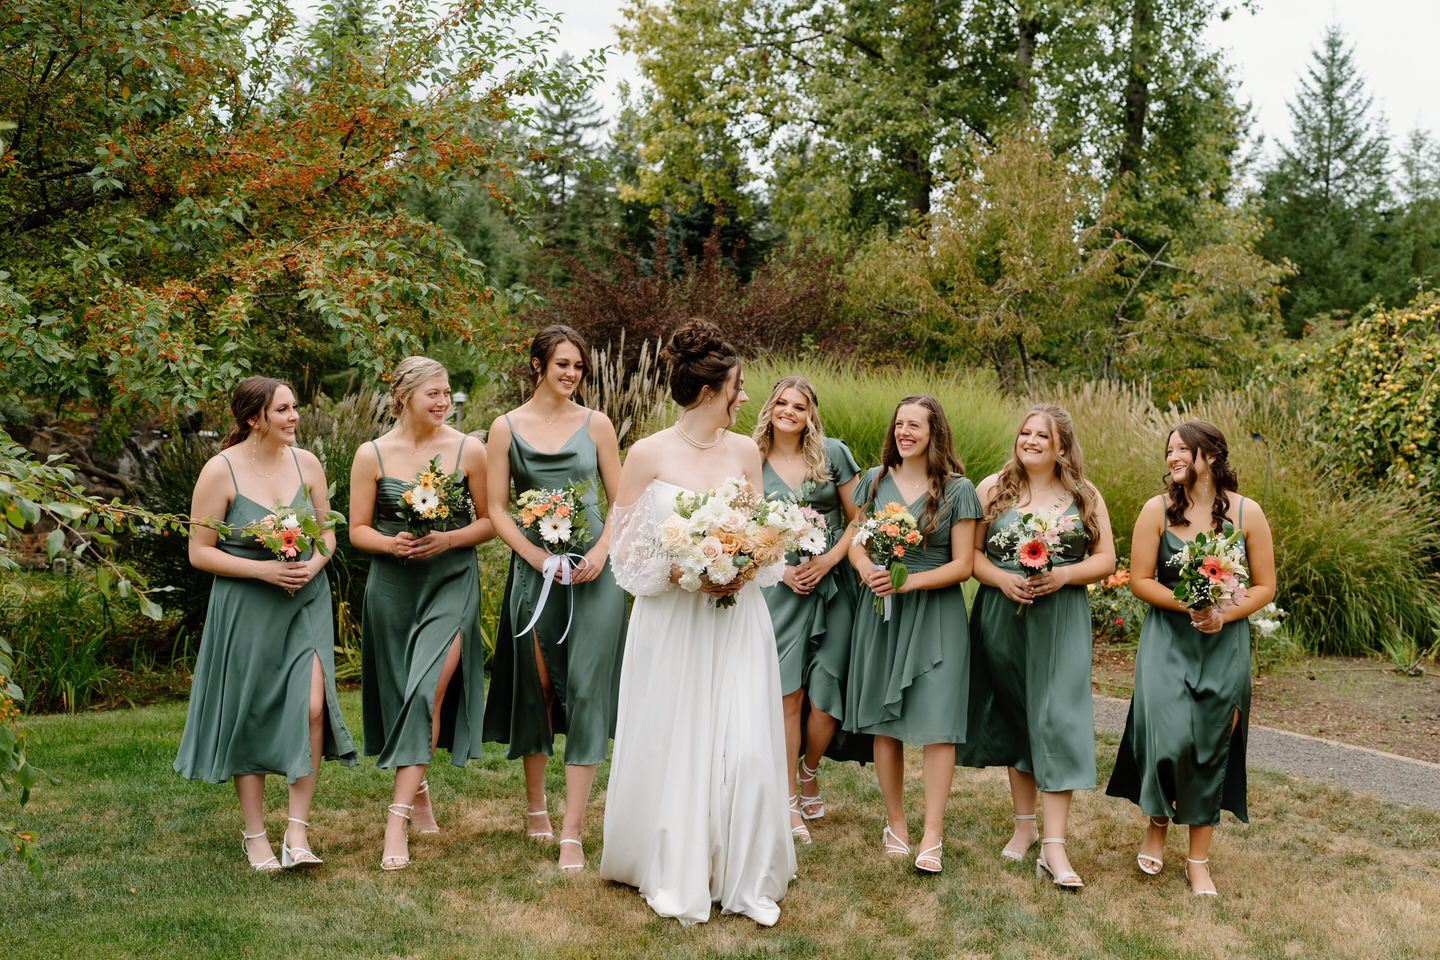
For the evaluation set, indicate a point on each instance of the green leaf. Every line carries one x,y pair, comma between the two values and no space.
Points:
151,609
898,575
54,543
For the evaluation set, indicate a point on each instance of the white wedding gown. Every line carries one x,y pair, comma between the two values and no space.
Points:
697,810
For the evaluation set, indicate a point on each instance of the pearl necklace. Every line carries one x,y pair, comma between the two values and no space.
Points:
719,434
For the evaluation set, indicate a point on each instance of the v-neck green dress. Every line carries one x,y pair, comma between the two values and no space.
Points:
1179,757
909,677
414,609
812,631
250,697
584,669
1030,702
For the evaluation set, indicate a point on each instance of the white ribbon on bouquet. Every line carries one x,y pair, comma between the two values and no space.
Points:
885,600
557,563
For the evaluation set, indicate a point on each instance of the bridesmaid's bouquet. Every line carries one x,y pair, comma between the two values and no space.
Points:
885,535
557,517
811,541
728,532
432,497
1032,541
290,530
1212,570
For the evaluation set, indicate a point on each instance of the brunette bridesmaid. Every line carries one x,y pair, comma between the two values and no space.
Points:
909,673
559,673
1182,758
263,697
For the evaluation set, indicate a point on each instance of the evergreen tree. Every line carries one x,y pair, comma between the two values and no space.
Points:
1327,194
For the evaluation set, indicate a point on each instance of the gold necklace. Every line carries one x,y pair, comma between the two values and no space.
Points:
255,464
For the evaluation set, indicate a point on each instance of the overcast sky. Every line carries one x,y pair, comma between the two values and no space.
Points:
1394,43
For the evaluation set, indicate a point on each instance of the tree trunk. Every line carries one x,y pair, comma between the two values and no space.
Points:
1137,85
1027,29
1025,366
918,167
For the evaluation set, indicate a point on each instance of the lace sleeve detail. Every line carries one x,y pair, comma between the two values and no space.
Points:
633,560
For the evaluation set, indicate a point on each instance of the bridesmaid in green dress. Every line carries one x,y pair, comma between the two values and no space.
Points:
422,658
909,674
1030,703
1183,754
547,681
263,697
812,609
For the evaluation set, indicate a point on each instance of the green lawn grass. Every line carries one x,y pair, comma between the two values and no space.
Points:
144,864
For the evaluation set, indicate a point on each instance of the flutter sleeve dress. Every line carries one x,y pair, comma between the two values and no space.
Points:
909,676
1030,700
584,664
249,707
414,610
1180,757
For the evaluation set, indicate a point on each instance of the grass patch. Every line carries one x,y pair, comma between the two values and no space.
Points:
142,863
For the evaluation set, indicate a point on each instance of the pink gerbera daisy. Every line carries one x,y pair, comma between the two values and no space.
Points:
1034,554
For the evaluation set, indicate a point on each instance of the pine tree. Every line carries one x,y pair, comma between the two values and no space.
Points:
573,191
1327,195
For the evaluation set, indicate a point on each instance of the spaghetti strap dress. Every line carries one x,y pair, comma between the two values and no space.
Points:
249,707
583,665
909,676
1030,701
1179,757
414,609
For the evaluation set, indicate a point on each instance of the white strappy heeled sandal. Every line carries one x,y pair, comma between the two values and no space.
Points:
397,861
1011,855
1153,865
291,857
573,866
544,811
1065,880
894,846
799,831
420,792
928,856
1212,892
264,866
807,775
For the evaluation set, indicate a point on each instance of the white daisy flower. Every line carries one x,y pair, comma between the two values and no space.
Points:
554,529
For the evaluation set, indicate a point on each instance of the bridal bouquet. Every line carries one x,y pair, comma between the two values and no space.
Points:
289,530
433,496
885,535
1212,570
1032,541
728,532
557,517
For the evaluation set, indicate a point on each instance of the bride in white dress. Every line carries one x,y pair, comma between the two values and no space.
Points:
697,808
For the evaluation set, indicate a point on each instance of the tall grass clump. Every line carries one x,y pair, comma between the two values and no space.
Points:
856,404
1355,567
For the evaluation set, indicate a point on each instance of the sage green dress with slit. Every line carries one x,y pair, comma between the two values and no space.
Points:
812,631
584,664
1179,757
414,610
1030,701
249,707
909,677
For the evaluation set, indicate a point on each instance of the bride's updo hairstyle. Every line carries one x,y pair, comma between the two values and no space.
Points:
698,357
251,399
409,374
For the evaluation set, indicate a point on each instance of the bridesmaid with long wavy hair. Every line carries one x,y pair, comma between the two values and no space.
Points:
1182,758
813,608
548,681
909,674
263,697
422,658
1030,637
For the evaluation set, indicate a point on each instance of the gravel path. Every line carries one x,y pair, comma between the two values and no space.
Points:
1413,783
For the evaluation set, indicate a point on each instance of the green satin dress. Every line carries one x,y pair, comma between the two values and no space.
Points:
250,697
1030,700
414,609
584,669
1178,757
812,631
909,677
